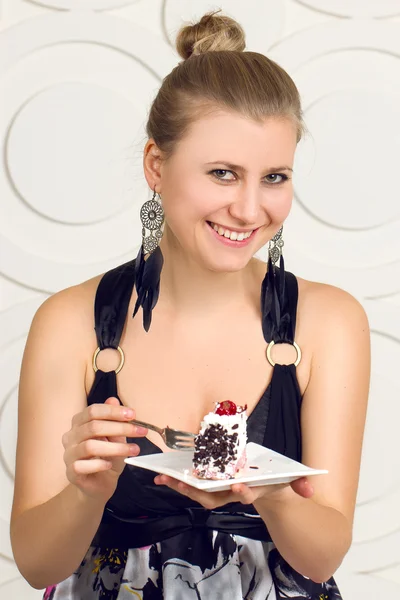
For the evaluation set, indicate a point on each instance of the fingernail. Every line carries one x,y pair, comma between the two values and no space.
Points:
128,413
141,430
133,449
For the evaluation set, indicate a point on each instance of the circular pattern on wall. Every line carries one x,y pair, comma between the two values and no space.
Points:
367,587
61,153
8,432
333,70
348,120
56,70
89,4
381,458
261,32
14,324
354,8
376,534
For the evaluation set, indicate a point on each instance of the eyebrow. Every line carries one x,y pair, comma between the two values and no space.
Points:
239,168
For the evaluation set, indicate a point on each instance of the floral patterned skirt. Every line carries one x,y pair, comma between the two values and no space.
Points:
194,565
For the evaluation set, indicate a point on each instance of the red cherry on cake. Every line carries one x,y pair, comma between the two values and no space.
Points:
226,408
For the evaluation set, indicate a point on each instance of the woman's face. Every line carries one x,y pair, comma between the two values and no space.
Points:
227,188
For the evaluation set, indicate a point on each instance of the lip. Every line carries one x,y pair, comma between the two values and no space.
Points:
232,243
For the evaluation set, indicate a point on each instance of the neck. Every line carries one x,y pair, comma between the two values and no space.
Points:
189,287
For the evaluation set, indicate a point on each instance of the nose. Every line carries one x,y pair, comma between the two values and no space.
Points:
245,208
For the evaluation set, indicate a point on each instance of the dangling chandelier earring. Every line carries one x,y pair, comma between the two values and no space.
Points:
275,246
149,260
273,290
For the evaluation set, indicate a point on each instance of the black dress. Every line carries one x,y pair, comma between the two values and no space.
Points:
154,543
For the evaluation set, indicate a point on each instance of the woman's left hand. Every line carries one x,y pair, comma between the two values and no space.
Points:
239,492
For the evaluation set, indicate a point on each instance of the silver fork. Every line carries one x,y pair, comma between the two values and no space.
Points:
173,438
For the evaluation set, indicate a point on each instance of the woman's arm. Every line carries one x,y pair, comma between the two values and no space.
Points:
52,523
313,535
50,540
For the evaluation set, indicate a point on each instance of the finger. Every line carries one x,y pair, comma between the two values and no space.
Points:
113,400
107,411
302,487
121,439
98,448
87,467
244,494
108,429
137,431
208,500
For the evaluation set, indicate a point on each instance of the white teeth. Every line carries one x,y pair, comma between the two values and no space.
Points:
233,235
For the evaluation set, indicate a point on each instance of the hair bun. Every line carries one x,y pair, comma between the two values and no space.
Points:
212,33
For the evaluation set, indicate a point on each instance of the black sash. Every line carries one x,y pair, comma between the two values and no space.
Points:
119,532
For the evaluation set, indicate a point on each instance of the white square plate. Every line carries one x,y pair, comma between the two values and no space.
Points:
272,468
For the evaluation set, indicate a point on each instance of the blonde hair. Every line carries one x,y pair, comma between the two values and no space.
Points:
217,74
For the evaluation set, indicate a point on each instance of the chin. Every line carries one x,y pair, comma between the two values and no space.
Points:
226,264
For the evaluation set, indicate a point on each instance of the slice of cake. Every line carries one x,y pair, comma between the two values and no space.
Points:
220,446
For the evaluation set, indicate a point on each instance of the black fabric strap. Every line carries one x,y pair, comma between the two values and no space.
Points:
285,330
291,299
283,432
111,304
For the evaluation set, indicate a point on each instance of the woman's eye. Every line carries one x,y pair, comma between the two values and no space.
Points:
281,180
216,171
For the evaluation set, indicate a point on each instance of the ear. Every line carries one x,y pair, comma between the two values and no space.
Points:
152,161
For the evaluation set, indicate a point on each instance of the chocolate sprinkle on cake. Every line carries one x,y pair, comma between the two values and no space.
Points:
217,445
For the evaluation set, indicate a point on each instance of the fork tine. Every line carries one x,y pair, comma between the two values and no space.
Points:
179,447
178,432
178,440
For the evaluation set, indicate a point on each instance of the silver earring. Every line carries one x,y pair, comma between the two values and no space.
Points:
275,246
152,218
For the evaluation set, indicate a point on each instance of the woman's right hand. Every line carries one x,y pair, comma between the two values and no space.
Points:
95,447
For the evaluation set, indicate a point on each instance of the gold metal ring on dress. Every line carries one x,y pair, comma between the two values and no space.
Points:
269,357
97,352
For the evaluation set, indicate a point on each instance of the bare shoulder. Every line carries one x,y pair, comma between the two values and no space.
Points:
74,303
322,293
69,313
323,307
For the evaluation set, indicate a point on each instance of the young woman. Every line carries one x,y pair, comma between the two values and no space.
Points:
222,133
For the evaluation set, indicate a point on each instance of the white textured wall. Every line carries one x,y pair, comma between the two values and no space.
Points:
76,80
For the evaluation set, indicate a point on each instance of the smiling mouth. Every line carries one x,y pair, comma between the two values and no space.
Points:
230,234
